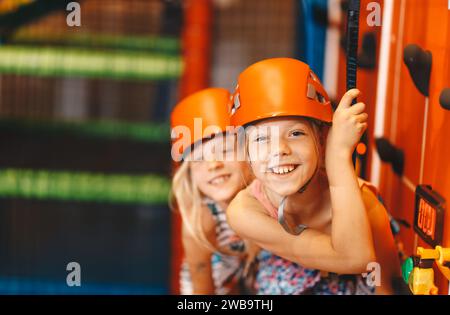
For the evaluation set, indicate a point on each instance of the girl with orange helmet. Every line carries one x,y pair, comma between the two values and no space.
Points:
203,185
328,219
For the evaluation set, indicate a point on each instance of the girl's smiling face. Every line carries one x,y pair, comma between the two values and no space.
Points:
216,171
284,153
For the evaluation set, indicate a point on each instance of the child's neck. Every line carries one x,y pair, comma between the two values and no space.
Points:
307,205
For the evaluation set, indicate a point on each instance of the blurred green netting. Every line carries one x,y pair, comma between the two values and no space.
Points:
83,186
78,62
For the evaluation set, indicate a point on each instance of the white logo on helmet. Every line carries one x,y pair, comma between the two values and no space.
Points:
236,102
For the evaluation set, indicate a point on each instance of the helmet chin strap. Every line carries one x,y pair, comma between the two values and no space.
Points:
297,230
301,227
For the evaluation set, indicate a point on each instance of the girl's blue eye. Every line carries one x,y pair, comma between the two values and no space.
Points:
297,133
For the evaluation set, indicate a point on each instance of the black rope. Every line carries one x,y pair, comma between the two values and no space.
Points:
352,43
352,59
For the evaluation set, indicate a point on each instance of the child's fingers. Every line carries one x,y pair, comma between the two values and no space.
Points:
362,127
348,97
361,118
358,108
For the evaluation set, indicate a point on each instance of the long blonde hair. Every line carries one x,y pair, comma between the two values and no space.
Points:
190,204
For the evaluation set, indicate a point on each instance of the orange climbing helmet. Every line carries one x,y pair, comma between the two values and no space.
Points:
202,115
278,87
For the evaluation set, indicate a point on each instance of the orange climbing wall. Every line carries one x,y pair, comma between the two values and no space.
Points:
437,152
426,24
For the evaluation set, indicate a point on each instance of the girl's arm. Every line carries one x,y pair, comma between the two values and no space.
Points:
198,257
350,247
350,229
311,249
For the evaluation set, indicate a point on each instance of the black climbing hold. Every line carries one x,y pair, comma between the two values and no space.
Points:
403,222
395,227
390,154
419,63
444,99
367,58
396,224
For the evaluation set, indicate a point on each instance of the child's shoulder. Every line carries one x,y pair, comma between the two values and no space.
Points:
245,200
243,197
376,211
367,186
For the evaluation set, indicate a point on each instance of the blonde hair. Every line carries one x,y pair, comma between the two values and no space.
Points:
190,204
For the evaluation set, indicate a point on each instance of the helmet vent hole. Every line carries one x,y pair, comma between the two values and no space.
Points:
314,95
320,98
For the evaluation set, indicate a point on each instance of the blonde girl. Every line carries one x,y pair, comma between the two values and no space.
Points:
204,184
